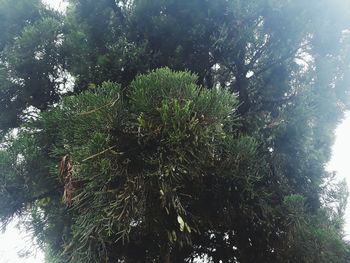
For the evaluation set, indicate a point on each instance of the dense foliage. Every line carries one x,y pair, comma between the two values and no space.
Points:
173,130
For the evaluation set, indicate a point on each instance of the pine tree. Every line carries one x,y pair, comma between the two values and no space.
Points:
222,158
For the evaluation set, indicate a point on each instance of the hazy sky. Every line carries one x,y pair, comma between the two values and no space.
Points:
56,4
340,161
12,242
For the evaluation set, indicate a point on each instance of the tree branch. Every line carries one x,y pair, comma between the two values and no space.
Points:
280,60
98,154
258,54
117,10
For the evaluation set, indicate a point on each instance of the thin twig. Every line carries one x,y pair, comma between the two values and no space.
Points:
99,108
98,154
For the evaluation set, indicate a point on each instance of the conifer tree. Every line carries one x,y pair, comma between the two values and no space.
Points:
192,129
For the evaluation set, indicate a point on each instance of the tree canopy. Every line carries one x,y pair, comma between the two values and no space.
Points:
175,131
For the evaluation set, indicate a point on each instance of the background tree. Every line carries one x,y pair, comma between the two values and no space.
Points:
30,63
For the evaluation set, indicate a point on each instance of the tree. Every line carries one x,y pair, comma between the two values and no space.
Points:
30,63
168,166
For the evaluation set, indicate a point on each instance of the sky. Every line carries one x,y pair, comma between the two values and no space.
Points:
340,161
56,4
13,240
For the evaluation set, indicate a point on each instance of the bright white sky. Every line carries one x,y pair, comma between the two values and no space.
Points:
13,241
340,161
56,4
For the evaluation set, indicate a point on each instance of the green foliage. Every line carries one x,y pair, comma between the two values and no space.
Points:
132,158
312,238
221,159
30,61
